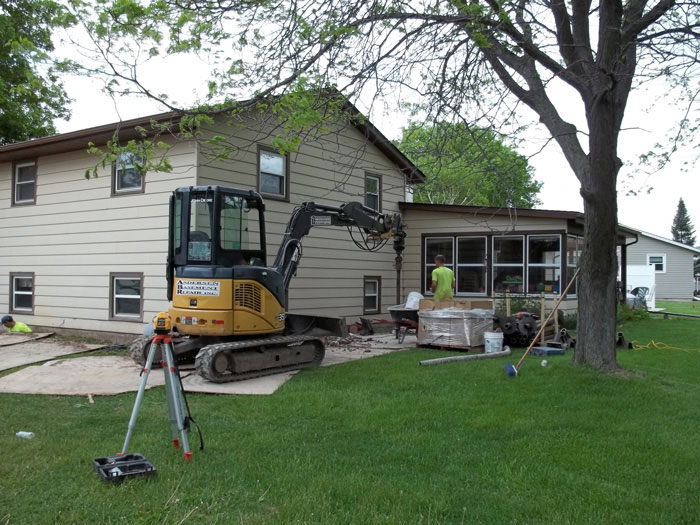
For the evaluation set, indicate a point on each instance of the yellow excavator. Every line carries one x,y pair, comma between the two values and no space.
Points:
228,307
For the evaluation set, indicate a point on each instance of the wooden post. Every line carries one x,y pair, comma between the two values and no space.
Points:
556,317
542,311
507,303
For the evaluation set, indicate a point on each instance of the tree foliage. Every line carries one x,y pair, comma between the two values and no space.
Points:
31,96
571,66
682,228
468,166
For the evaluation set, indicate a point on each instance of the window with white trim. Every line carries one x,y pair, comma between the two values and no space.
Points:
126,293
472,271
543,263
372,295
508,260
127,176
373,192
437,246
574,246
21,292
272,174
658,261
24,178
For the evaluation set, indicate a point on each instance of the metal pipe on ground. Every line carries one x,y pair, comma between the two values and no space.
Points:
441,360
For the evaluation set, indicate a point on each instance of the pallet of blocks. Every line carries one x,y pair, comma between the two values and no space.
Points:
454,325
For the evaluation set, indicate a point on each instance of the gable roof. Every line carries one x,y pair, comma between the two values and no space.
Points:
668,241
99,135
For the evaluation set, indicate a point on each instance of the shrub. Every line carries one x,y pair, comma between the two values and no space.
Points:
625,313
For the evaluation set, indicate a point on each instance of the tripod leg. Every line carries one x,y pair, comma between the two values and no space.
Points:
174,394
139,396
172,414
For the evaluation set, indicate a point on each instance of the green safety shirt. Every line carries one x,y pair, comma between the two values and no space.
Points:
444,277
18,327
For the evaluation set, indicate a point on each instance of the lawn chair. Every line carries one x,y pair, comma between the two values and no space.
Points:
641,294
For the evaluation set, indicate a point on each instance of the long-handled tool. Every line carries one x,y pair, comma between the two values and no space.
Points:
512,371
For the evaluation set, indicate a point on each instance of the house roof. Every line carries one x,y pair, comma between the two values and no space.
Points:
76,140
99,135
667,241
573,216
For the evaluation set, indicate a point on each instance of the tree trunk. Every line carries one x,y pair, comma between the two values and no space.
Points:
597,307
595,332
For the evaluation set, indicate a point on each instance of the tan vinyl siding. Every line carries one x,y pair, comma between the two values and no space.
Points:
77,234
677,282
328,170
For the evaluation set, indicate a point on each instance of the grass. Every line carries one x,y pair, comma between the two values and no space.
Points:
680,307
384,440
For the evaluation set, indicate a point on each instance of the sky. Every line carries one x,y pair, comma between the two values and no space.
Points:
651,211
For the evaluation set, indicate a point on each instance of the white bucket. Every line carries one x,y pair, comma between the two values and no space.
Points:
493,342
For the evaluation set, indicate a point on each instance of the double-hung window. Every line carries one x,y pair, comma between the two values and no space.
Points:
126,296
272,174
372,295
21,292
24,183
127,176
373,192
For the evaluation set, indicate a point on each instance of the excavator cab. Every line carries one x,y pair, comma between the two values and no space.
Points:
217,277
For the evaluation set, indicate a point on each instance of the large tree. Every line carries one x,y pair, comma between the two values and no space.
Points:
468,166
570,65
682,227
31,97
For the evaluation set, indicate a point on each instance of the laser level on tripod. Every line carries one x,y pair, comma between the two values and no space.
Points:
124,464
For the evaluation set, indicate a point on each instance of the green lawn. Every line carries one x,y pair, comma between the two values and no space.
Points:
384,440
680,307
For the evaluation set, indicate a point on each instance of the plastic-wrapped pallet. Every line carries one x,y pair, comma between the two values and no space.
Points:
454,327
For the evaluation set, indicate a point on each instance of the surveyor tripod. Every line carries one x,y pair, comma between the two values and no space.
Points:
173,392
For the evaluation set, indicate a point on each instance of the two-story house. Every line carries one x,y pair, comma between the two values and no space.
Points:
90,253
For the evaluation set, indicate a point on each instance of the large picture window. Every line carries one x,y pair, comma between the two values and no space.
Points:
272,174
24,183
126,296
519,264
437,246
21,292
508,261
126,174
544,263
471,265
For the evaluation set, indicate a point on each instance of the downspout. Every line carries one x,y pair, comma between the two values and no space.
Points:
623,270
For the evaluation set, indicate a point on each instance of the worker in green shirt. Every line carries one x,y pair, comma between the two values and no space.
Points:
14,326
443,280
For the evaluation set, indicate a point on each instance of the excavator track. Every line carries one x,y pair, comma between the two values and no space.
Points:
249,358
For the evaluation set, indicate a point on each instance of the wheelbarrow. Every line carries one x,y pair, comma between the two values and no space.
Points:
403,320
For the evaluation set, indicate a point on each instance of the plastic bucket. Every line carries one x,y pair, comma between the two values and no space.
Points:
493,342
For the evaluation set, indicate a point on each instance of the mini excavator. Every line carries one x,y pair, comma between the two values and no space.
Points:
228,307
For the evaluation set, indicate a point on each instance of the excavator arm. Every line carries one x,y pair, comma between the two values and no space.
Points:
374,229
